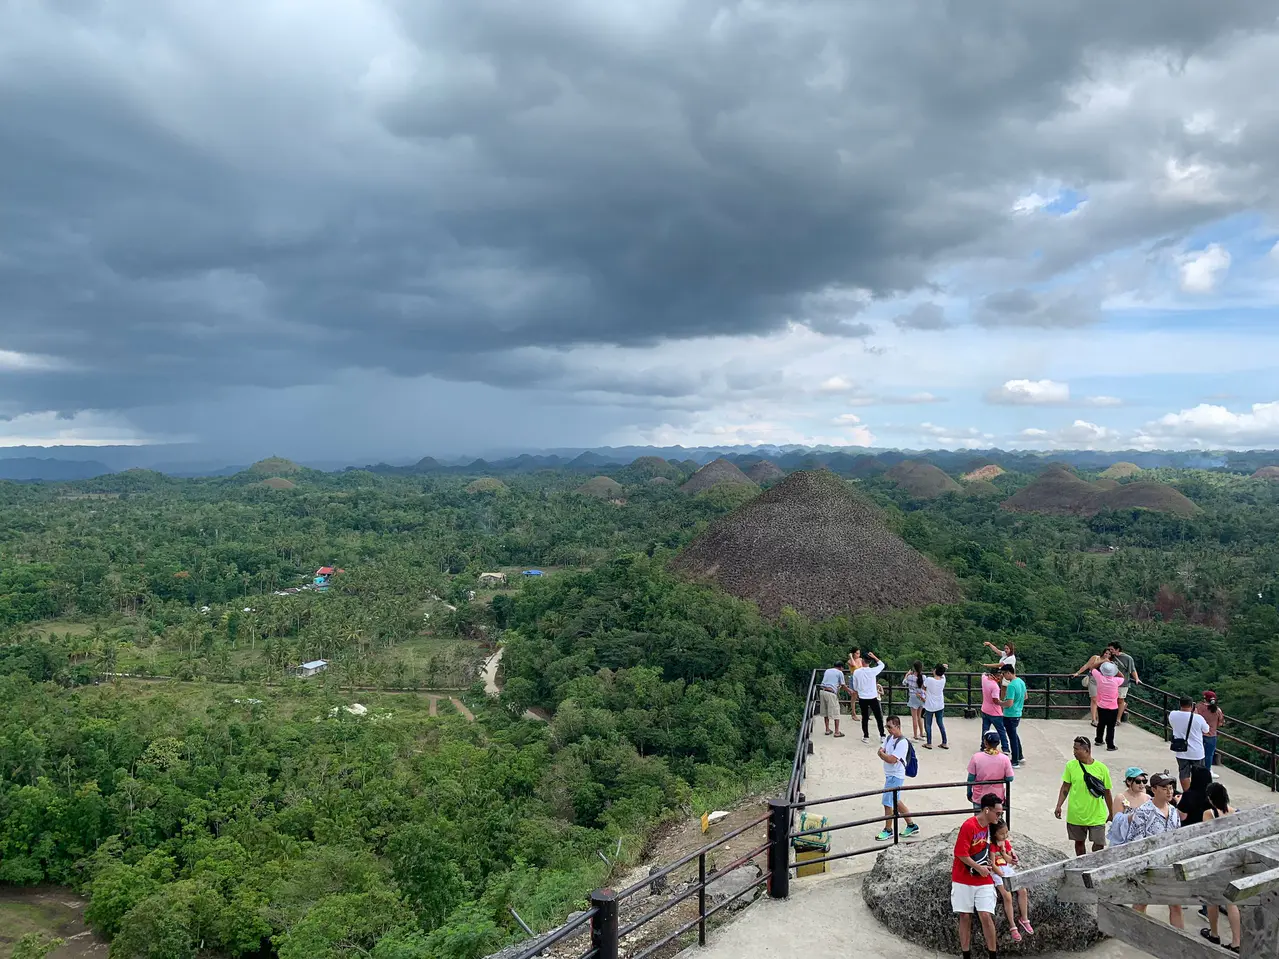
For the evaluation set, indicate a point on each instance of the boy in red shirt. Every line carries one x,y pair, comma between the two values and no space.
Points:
971,886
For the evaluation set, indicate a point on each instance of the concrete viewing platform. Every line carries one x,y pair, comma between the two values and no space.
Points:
825,915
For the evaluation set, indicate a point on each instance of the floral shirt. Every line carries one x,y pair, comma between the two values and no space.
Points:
1146,820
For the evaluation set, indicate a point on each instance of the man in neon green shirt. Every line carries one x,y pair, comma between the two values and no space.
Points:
1090,801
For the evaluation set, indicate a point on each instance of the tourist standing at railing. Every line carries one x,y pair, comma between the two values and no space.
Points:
1086,783
1007,655
866,686
971,886
992,705
1089,683
914,683
1215,719
1108,680
935,705
1129,670
832,682
1187,728
988,769
1014,703
855,662
893,753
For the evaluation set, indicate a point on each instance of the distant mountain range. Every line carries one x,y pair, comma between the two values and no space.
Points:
62,463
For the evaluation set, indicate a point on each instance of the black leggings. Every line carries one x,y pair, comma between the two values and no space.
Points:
1106,719
871,706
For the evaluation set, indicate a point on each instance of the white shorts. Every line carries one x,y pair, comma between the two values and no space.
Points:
965,898
1000,872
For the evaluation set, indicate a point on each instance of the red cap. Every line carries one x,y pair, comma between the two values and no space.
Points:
1209,694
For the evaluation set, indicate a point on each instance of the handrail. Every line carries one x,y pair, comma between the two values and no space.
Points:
1042,689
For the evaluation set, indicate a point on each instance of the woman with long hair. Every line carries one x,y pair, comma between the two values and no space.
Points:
914,683
1134,795
1218,806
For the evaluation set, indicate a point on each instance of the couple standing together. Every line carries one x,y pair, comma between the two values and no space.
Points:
1003,698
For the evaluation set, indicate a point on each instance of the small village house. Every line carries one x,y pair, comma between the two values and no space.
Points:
311,668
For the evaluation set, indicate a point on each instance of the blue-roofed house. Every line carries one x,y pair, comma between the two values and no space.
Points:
311,668
531,572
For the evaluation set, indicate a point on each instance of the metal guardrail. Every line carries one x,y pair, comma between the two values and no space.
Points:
1048,695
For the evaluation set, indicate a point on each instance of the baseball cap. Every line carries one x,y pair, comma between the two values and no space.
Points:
1209,695
991,738
1161,779
1132,772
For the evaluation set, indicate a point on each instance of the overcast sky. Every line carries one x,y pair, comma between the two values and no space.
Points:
394,227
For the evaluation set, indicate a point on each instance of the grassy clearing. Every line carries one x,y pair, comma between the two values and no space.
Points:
48,912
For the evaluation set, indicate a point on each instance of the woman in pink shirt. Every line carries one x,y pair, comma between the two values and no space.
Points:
989,764
992,706
1108,679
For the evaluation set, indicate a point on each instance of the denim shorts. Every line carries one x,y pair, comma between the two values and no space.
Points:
889,782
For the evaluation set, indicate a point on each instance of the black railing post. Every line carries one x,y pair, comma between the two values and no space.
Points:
1274,764
604,924
1165,715
1048,696
701,899
778,849
968,701
896,815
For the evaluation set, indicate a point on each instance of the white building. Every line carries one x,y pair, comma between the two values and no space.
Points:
311,668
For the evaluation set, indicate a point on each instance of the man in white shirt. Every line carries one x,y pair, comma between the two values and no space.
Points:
1187,724
866,686
893,755
832,681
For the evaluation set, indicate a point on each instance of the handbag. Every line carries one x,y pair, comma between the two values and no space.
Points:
1179,743
1095,786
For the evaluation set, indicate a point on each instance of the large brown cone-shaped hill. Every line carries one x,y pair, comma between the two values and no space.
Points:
981,487
922,480
1147,495
765,472
716,473
813,544
1267,472
1059,492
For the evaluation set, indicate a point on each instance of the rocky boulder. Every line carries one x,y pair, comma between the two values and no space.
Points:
908,890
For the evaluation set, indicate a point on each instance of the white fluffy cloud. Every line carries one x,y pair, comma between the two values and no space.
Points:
1029,393
1202,270
1078,435
1209,426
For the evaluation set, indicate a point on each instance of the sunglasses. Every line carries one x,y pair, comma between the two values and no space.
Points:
1140,782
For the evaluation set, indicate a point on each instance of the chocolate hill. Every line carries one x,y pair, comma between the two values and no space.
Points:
648,468
988,472
982,488
765,472
279,482
922,480
602,487
718,472
1267,472
1120,471
1058,491
813,544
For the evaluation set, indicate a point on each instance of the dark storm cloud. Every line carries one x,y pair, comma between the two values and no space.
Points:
200,197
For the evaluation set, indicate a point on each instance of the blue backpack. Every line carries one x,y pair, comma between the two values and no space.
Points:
912,761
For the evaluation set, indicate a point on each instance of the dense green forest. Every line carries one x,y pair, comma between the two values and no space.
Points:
232,810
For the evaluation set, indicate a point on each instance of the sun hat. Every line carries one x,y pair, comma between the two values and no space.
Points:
1132,772
1109,669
